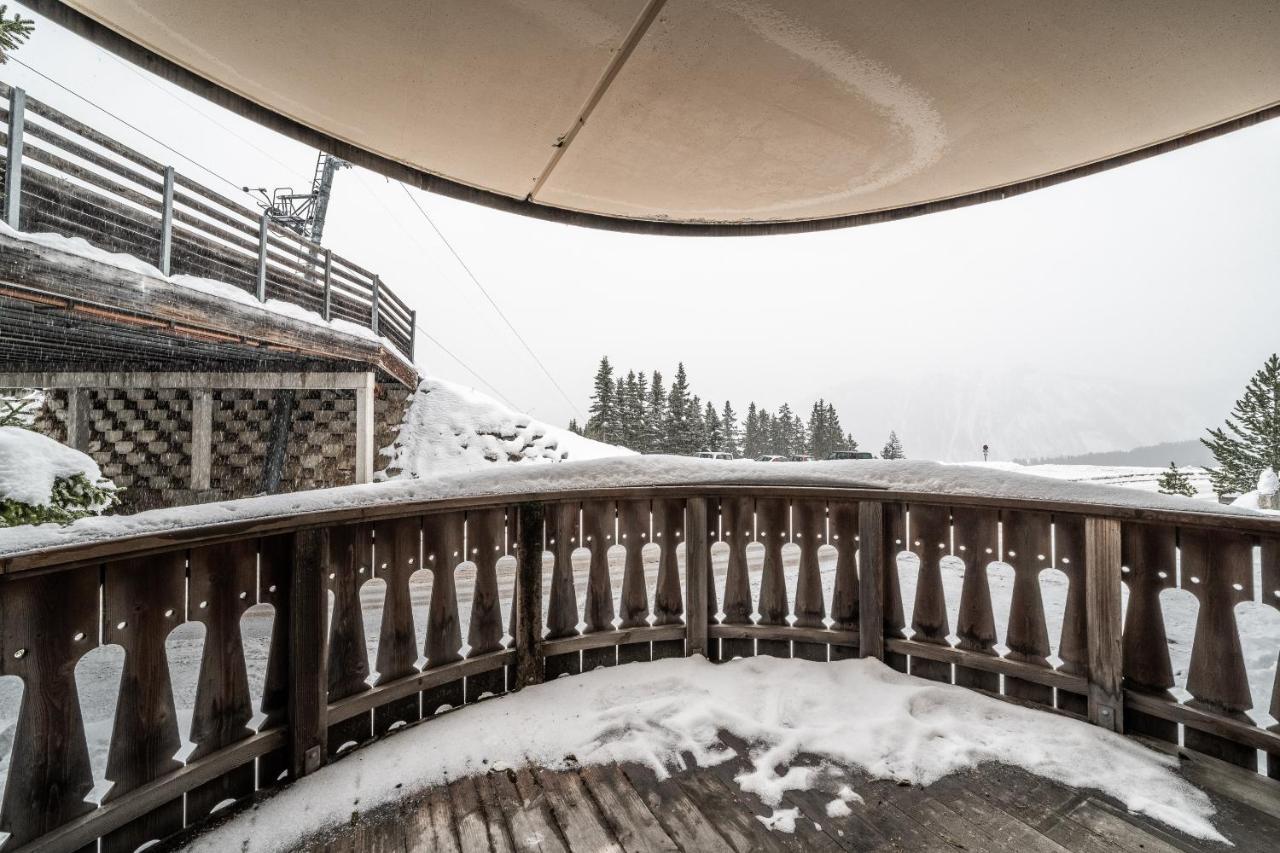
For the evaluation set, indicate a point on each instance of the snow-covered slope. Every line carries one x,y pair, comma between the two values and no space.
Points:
1129,476
450,428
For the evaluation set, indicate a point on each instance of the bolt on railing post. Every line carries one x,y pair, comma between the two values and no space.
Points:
328,285
697,556
13,165
263,222
530,533
1103,626
166,223
308,680
373,316
413,332
871,568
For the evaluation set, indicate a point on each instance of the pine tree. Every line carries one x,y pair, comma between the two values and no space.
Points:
892,448
1251,440
1174,482
786,431
697,425
849,443
602,420
752,446
641,400
13,32
621,406
729,427
680,436
713,431
573,427
655,426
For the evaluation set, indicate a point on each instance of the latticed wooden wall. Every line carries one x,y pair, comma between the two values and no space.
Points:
141,439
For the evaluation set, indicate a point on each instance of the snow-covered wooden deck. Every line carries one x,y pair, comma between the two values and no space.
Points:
612,809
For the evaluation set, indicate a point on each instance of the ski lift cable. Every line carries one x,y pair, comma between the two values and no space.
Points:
491,301
467,368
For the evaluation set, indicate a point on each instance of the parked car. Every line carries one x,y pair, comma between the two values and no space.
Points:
771,459
712,454
851,454
803,457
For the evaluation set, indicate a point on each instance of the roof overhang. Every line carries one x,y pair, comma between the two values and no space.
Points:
717,116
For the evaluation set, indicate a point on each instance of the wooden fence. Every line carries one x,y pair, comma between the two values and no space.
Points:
319,699
62,176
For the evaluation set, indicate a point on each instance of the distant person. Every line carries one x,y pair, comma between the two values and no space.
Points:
985,450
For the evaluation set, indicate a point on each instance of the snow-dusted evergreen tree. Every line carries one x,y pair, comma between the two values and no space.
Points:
655,421
713,430
1251,440
13,32
603,423
752,445
786,431
573,427
729,429
681,438
849,443
1174,482
697,425
620,408
641,397
892,448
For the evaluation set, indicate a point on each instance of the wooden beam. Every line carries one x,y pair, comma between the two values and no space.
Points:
364,430
201,439
294,380
871,568
1103,622
528,604
697,553
13,157
78,409
308,699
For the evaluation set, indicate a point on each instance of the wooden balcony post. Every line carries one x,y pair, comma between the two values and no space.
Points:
697,558
1103,622
374,310
308,677
328,285
201,439
166,223
871,567
528,604
413,332
364,429
13,165
263,222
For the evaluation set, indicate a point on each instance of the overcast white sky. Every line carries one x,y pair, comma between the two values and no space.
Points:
1159,275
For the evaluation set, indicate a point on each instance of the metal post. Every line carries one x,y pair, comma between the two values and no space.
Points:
263,222
377,286
13,165
413,332
166,223
328,282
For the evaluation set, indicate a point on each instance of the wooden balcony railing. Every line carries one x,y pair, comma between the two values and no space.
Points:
64,177
318,699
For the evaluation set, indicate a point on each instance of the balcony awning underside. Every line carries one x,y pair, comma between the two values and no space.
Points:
717,116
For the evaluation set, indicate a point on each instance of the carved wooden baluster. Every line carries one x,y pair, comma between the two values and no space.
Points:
598,519
486,544
397,545
1073,647
976,540
1027,548
931,541
275,577
772,531
442,553
350,567
633,534
40,643
1150,553
1217,567
843,520
713,604
809,532
668,598
737,521
223,581
142,602
895,623
562,608
1271,595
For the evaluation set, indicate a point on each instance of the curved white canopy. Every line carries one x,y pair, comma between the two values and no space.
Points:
745,115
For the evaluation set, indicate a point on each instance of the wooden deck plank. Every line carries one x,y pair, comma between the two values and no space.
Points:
735,818
495,820
441,810
1005,830
626,813
533,829
469,818
949,826
693,831
1042,806
900,830
575,812
1121,834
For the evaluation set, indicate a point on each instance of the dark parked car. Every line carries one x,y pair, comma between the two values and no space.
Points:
851,454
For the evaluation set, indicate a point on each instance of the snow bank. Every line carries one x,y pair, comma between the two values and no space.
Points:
1130,476
449,428
855,713
621,472
30,462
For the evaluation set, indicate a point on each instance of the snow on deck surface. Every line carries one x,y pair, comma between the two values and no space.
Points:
854,713
629,471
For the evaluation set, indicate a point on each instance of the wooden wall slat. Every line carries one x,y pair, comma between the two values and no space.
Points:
976,533
894,519
222,586
1217,568
598,520
142,601
486,544
737,526
442,540
350,567
773,531
633,534
275,579
843,524
1068,557
1026,538
668,597
562,609
1150,555
809,533
49,770
930,540
397,555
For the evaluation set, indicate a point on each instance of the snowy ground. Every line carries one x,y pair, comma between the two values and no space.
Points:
851,714
1128,476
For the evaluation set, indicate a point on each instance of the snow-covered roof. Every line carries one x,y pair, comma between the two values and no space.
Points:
908,478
